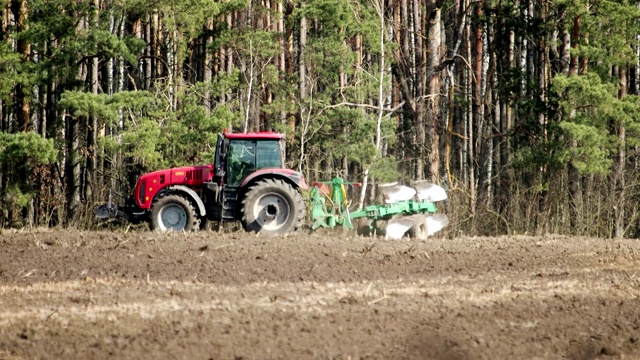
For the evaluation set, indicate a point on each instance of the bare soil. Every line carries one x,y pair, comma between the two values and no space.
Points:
331,295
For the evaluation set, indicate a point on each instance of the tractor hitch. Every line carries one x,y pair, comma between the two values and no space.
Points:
112,210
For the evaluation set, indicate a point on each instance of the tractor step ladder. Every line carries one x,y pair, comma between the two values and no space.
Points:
229,204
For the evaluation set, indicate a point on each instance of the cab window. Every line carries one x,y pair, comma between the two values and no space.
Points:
269,155
242,160
247,156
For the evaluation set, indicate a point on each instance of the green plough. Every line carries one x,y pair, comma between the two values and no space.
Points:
407,211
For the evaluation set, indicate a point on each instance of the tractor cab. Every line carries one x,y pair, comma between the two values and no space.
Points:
245,165
239,155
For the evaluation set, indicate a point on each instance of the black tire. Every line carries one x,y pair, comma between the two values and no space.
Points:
419,230
272,207
173,212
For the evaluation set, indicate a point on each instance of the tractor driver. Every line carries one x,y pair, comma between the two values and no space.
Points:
242,161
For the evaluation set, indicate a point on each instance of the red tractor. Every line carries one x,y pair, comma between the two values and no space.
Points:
247,181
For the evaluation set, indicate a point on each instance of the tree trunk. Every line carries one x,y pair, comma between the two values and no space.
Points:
542,71
574,176
433,103
72,169
619,193
92,126
302,68
468,148
23,47
303,92
477,104
419,80
381,96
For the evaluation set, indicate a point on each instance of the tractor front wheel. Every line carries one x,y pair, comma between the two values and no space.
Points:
174,213
272,207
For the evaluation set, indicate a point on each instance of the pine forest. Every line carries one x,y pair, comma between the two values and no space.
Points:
526,111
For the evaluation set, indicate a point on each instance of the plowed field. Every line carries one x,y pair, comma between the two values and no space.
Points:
330,295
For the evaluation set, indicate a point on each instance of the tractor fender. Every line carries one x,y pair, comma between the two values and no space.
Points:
296,179
192,195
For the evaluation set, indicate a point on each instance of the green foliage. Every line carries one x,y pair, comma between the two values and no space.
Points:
108,45
336,122
190,134
630,115
611,26
590,112
251,43
25,151
10,62
587,114
384,169
15,197
82,104
61,45
141,132
284,90
592,155
359,131
20,154
150,135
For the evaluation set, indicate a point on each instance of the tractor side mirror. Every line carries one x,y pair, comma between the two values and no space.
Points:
223,148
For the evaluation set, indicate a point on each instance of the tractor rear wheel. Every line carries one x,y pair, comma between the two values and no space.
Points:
419,230
173,212
272,207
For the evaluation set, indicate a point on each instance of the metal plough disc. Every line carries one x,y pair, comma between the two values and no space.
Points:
398,226
436,223
429,192
394,192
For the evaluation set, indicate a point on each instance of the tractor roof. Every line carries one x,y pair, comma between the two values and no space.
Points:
255,135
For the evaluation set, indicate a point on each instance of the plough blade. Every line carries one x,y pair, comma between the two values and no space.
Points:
429,225
429,192
394,192
436,223
397,227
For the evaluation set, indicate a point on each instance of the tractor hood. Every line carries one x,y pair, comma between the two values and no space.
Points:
149,184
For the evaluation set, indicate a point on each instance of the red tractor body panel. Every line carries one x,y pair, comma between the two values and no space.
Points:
150,184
